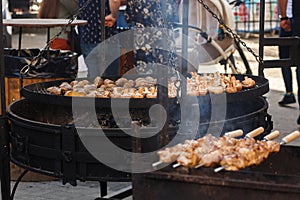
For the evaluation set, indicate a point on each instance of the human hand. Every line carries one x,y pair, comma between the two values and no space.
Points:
286,25
110,20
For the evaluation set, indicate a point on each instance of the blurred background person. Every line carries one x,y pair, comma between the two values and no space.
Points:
60,9
294,26
90,36
289,96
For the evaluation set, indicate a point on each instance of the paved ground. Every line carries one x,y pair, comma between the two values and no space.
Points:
55,190
284,120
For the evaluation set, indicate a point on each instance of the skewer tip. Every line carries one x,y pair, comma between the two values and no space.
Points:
198,166
218,169
157,163
282,143
176,165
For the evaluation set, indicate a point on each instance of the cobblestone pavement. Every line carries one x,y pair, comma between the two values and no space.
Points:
284,119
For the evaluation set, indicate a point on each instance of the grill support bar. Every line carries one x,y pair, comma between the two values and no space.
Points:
68,154
4,159
4,133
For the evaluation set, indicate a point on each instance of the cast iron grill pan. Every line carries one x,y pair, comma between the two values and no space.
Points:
37,92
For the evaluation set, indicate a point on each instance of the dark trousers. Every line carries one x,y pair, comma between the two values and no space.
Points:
296,32
286,71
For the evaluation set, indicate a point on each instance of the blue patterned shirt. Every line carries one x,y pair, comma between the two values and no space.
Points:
91,32
154,45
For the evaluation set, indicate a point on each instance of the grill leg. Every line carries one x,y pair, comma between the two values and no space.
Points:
17,183
118,195
4,159
103,188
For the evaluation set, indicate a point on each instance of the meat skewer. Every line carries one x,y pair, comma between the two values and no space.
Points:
170,154
268,137
192,158
264,148
190,153
214,157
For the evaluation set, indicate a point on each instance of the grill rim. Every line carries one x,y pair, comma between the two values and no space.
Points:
32,92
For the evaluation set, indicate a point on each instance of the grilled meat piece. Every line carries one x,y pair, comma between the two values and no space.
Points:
54,90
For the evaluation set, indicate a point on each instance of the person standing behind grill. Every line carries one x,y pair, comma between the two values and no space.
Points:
289,96
61,9
294,26
90,35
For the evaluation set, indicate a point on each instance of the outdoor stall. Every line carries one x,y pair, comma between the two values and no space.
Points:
57,126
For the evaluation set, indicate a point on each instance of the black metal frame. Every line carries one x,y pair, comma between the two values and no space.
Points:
292,42
4,131
4,127
4,135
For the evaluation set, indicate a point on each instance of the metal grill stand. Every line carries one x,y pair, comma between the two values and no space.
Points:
4,142
4,158
162,96
4,135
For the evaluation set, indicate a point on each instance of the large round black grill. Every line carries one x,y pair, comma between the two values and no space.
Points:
44,138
